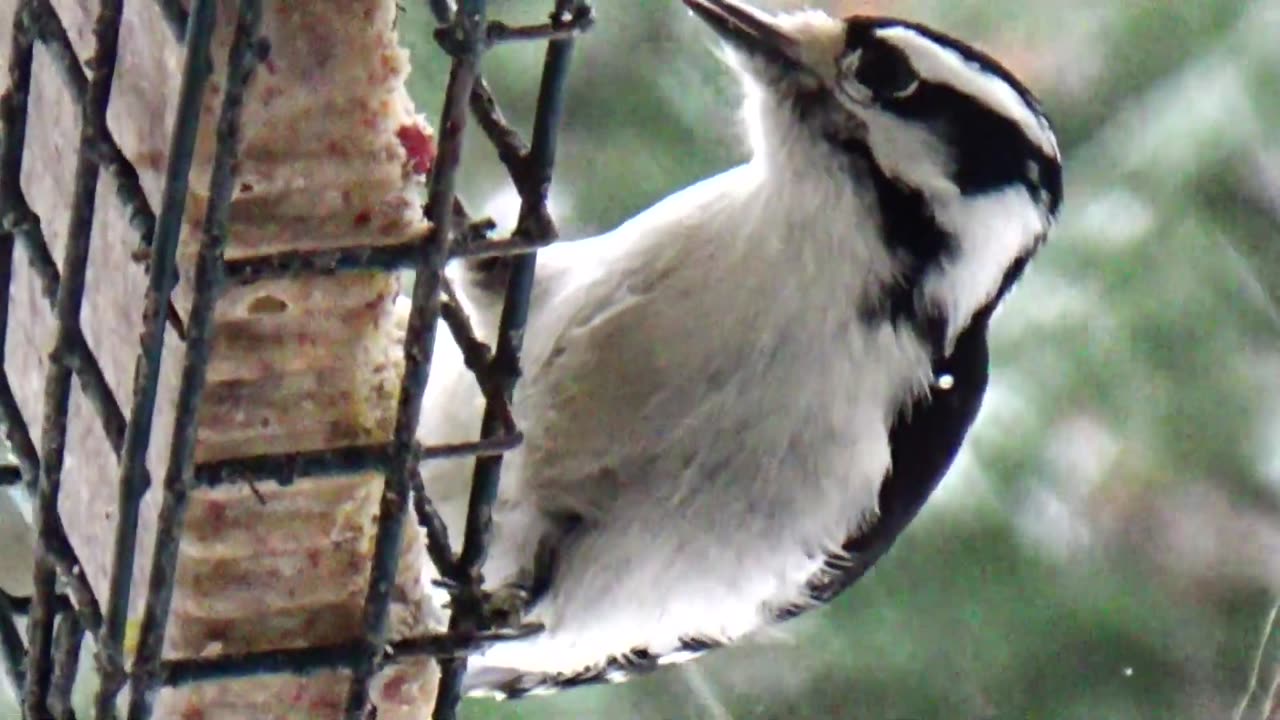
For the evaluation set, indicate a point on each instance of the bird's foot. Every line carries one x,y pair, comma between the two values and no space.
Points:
503,608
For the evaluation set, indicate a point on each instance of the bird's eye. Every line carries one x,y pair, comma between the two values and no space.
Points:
884,70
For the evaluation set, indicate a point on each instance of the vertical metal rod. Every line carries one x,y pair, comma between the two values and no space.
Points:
13,133
533,182
536,169
208,279
465,34
13,652
132,482
70,297
67,636
58,48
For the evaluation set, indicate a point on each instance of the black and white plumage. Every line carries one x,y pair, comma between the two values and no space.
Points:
736,401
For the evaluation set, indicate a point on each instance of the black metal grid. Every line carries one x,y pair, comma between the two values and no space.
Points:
63,607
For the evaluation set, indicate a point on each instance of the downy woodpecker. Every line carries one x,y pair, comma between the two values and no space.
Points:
735,402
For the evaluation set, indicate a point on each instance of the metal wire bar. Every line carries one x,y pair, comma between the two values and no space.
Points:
532,182
439,547
476,356
133,478
500,32
484,107
506,247
129,192
161,278
13,652
388,258
463,38
397,256
311,660
504,138
17,434
79,356
57,548
475,353
67,636
241,62
13,122
13,131
51,32
106,32
335,461
32,20
532,177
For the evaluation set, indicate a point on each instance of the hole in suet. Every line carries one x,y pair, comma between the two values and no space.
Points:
267,305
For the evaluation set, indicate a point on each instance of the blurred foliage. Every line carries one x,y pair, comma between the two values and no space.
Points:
1109,541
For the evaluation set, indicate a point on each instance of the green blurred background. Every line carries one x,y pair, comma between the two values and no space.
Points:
1108,545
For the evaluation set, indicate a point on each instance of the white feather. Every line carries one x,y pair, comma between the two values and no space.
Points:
990,231
940,64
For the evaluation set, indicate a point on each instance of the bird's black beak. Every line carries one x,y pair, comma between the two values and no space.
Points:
749,30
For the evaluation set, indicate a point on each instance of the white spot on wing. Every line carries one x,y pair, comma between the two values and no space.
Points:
943,65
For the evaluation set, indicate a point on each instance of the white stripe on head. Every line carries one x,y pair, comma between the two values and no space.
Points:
943,65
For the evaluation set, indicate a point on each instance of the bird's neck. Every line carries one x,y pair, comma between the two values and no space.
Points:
928,258
793,208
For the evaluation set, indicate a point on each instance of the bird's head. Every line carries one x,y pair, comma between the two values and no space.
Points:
963,159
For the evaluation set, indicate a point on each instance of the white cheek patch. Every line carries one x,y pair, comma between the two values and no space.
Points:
910,152
991,231
942,65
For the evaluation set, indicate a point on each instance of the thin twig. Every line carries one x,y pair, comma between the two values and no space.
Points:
1256,670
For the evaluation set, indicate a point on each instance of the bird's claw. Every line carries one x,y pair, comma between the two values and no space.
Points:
503,608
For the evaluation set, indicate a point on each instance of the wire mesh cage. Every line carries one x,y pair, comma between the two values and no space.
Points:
64,606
